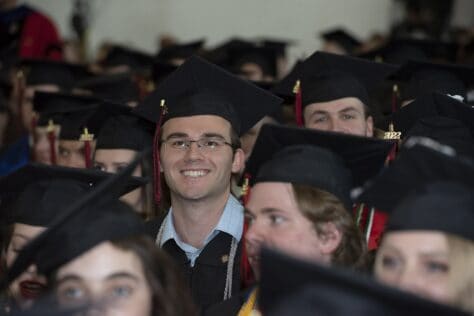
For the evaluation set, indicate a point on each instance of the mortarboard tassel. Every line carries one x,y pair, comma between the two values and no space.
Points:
87,139
51,130
156,154
298,104
392,134
246,272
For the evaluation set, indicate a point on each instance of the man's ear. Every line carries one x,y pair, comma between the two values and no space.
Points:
370,127
330,238
238,164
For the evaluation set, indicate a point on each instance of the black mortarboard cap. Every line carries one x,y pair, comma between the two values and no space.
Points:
200,88
161,69
293,287
121,88
438,206
430,105
123,56
424,77
279,46
50,105
96,217
331,161
264,57
340,36
399,50
125,132
181,51
36,193
62,74
327,77
420,161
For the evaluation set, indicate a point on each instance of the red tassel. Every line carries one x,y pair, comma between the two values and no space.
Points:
88,154
156,155
87,139
394,98
392,154
298,104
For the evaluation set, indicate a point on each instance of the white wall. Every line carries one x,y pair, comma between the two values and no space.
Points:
139,22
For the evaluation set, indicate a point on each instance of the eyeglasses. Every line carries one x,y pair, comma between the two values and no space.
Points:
205,144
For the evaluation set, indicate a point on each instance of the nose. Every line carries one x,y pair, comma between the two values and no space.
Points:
254,235
193,152
412,282
335,125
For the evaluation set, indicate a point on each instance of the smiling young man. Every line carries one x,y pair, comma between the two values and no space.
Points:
205,110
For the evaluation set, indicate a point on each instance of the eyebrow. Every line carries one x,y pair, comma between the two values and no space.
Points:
68,277
181,135
348,109
122,274
267,210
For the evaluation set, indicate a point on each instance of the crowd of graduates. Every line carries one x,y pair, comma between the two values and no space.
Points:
224,181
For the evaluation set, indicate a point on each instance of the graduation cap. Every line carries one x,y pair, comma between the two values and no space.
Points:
161,69
430,105
180,51
342,38
279,46
35,194
324,77
125,132
121,88
331,161
420,161
401,50
61,74
264,57
425,77
96,217
439,206
293,287
200,88
123,56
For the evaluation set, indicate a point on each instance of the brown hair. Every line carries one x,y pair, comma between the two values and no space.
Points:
461,277
170,297
322,207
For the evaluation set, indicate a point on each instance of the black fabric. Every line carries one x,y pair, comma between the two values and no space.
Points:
363,156
342,38
429,105
181,51
207,278
200,88
35,194
440,206
231,306
415,167
292,287
119,88
327,77
425,77
61,74
125,132
123,56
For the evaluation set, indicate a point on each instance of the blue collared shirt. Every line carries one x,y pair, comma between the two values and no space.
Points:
231,222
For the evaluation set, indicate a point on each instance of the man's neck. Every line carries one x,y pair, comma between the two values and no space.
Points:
195,220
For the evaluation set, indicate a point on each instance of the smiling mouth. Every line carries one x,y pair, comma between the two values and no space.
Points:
194,173
31,289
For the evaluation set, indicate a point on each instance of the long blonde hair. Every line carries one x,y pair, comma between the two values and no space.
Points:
461,283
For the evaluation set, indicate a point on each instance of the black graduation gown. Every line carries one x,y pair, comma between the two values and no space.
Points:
230,307
207,278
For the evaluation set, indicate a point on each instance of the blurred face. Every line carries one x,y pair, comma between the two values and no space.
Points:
252,71
415,261
41,146
195,174
29,285
27,113
248,139
334,48
276,222
346,115
71,153
109,278
113,161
